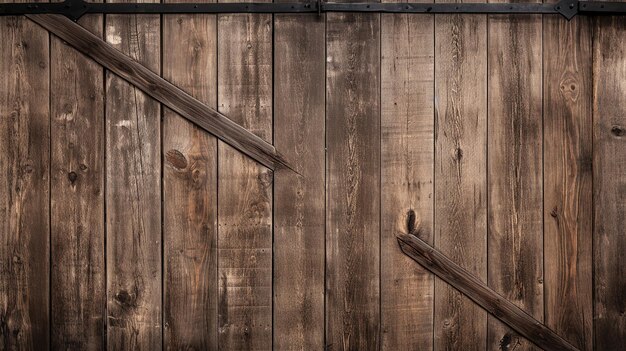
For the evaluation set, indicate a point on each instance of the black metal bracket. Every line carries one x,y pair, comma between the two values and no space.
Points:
74,9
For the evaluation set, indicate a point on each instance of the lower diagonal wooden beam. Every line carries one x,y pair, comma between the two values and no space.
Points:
161,90
462,280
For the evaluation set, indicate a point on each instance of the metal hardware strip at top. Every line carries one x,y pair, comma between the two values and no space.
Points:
74,9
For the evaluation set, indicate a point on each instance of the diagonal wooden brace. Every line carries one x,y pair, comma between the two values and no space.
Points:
161,90
498,306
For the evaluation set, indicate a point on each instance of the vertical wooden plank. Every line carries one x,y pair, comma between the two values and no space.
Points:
24,185
133,192
407,166
244,186
515,218
609,186
353,181
568,196
460,176
190,188
299,219
77,196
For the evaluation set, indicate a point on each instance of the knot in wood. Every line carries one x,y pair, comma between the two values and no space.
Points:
72,176
618,131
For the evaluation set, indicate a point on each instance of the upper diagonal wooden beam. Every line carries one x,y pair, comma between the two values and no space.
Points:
161,90
462,280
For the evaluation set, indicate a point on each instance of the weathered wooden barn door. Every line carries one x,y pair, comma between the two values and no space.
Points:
190,280
496,139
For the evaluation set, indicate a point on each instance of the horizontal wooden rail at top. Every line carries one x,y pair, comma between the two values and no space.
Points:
498,306
75,9
161,90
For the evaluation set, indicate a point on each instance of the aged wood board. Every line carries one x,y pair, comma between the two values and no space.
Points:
130,223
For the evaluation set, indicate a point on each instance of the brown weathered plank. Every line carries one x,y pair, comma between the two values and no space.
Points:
515,219
77,196
353,181
190,188
168,94
497,305
568,205
609,185
299,219
407,161
133,192
24,185
245,187
460,177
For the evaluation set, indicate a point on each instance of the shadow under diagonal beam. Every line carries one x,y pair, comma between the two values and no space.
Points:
472,287
161,90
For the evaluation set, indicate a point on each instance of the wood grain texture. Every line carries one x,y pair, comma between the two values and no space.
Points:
133,192
245,187
150,83
190,188
24,185
609,185
497,305
78,276
460,177
385,116
407,167
515,218
568,196
299,218
353,181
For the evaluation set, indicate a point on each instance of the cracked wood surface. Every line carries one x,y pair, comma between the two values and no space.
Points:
514,171
609,190
352,181
78,277
568,179
133,196
299,69
24,185
190,188
407,183
460,187
245,188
